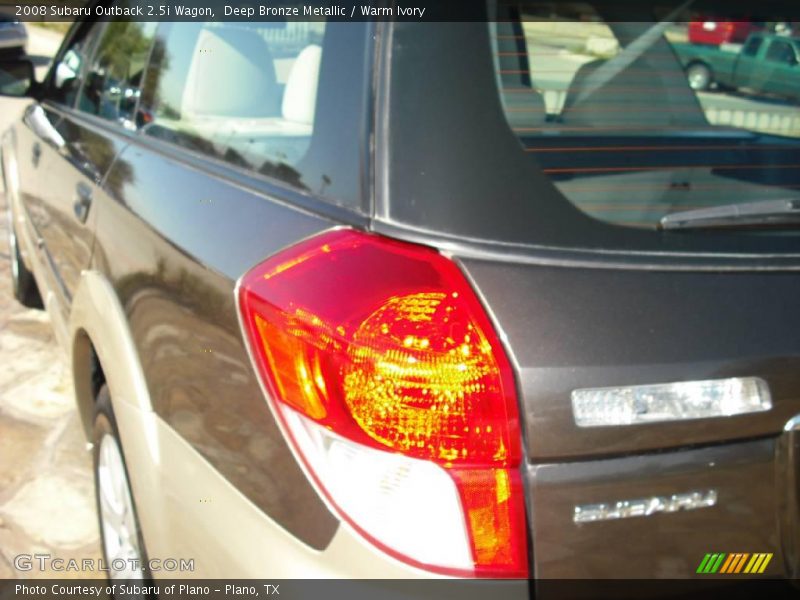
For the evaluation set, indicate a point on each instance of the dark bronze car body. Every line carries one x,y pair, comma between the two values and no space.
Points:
141,285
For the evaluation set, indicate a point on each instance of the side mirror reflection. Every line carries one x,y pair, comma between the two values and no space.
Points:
16,78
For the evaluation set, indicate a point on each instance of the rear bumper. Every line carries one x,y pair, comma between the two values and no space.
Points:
756,511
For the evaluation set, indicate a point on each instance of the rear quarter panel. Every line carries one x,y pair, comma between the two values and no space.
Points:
173,239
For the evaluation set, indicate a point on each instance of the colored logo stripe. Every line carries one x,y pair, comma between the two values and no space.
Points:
727,564
711,563
758,563
736,562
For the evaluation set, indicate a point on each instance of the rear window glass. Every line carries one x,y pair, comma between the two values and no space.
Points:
635,121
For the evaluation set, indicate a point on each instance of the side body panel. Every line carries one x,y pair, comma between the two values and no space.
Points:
173,243
76,153
176,231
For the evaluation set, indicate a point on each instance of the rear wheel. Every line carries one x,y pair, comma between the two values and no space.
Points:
22,282
699,76
123,546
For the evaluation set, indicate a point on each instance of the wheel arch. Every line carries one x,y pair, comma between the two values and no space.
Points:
102,350
697,61
87,377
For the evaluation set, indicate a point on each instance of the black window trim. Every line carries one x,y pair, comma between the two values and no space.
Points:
589,258
274,189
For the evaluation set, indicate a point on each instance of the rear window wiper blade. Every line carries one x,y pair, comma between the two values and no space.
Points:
764,213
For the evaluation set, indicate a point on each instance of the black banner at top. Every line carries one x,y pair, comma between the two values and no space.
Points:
249,10
375,10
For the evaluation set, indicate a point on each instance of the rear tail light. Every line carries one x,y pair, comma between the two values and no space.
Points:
394,390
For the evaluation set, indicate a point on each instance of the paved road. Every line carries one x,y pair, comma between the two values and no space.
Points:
46,487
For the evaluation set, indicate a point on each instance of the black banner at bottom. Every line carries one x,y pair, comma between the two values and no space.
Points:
292,589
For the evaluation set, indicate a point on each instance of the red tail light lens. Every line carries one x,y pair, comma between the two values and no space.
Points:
375,346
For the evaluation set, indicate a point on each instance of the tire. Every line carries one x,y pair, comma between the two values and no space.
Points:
120,532
23,284
700,77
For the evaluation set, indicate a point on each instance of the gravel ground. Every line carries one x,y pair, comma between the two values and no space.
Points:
46,486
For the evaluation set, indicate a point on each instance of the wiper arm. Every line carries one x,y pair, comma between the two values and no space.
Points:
765,213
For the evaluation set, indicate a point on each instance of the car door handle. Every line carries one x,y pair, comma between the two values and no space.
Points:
83,201
36,153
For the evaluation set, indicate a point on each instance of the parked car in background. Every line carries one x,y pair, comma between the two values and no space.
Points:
715,33
13,36
765,64
351,299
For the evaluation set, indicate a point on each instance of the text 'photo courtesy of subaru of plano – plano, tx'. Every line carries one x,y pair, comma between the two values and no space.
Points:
512,298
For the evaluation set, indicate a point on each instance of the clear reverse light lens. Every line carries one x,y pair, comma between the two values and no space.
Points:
603,407
396,500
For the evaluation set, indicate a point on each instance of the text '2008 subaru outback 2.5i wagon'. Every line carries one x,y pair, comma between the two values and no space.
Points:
487,299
